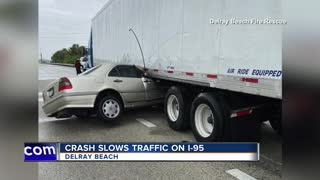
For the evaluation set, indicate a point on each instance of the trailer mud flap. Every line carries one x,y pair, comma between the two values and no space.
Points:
245,128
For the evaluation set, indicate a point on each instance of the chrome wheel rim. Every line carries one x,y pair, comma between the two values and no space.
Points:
111,108
204,120
173,108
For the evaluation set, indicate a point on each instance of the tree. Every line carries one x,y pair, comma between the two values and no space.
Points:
68,56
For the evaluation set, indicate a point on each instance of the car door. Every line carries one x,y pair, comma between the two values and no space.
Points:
153,89
128,82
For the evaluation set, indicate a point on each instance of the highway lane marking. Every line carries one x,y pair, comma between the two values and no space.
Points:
271,160
40,97
146,123
50,119
240,175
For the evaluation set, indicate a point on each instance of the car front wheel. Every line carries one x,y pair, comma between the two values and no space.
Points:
109,109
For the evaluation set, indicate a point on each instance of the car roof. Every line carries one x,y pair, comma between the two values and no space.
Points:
106,67
111,65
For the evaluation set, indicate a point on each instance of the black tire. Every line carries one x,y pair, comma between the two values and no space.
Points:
276,126
182,121
211,101
275,119
82,69
100,112
82,116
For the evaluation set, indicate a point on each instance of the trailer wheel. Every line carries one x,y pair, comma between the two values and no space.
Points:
176,107
206,118
276,126
275,119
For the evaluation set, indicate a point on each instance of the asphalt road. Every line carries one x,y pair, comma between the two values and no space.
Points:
132,127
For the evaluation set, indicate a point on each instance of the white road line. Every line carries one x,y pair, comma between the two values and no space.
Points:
45,119
240,175
40,97
271,160
146,123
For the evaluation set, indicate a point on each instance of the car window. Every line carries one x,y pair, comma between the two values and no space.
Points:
114,72
140,71
128,71
85,59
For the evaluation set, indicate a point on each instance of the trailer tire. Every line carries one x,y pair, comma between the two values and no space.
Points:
275,119
207,118
276,126
176,107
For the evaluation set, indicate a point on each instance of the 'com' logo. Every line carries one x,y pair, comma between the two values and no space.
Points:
40,151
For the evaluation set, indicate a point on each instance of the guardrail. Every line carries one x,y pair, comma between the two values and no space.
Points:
61,64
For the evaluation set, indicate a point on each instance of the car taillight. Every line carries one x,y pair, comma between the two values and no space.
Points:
64,83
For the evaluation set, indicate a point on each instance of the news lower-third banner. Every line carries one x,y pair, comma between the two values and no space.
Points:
141,152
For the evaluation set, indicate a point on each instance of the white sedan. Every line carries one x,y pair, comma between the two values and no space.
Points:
105,90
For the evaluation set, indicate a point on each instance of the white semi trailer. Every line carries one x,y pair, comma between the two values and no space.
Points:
221,58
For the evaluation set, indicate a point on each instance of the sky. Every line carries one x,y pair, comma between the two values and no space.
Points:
65,22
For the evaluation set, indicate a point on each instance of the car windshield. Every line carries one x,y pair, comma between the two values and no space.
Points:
90,70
